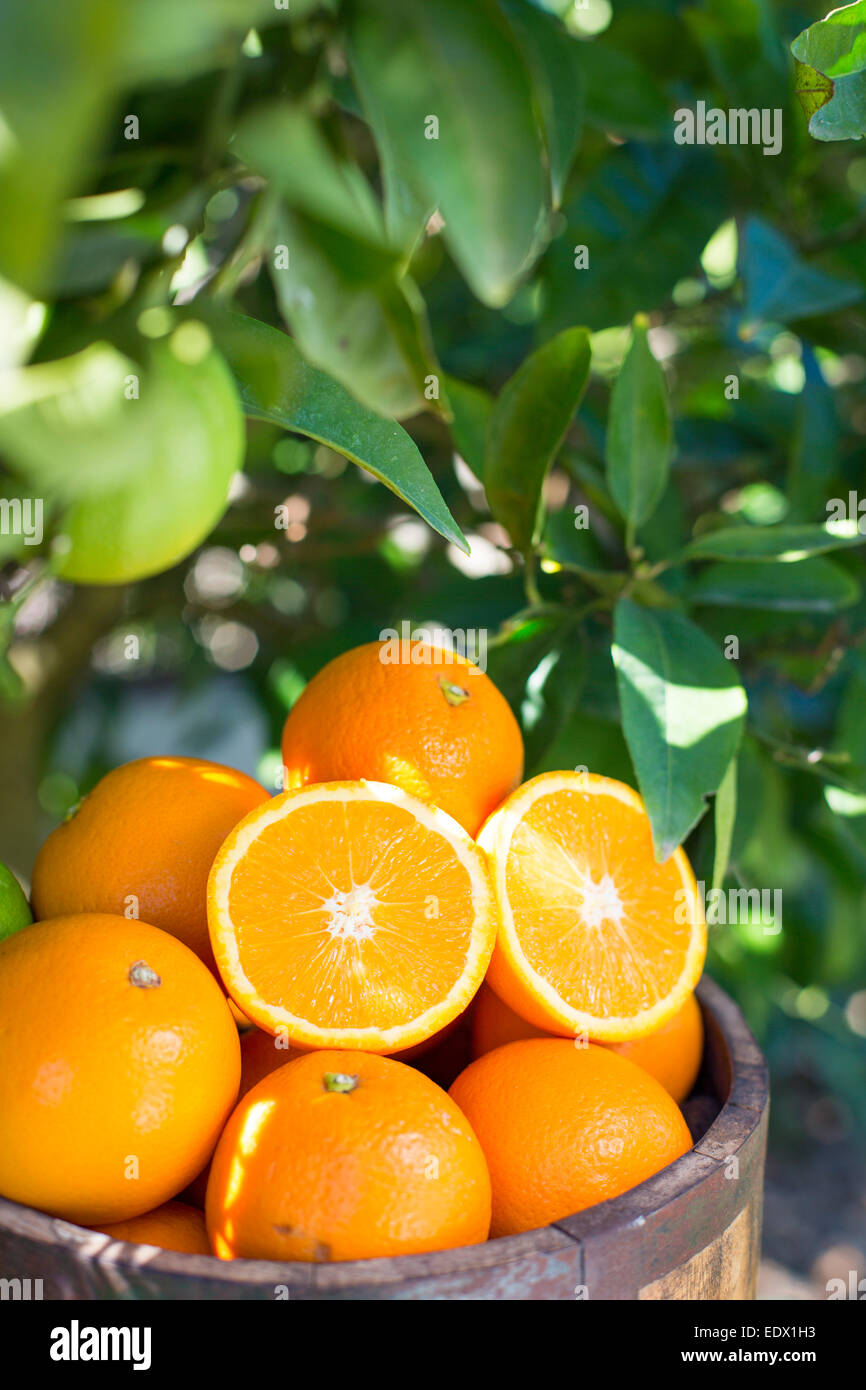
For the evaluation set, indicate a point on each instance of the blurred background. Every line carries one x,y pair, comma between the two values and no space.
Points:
750,267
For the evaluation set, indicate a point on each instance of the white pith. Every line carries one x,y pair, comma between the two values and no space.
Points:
599,902
351,913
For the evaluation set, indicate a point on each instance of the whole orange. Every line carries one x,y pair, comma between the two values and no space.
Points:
119,1065
141,844
174,1226
563,1127
260,1055
344,1156
672,1053
411,714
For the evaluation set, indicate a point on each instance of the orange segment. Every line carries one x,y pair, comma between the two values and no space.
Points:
595,937
351,915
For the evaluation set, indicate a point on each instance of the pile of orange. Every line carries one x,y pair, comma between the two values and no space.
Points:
405,887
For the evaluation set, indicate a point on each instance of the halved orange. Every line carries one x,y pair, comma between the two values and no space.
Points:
351,914
595,937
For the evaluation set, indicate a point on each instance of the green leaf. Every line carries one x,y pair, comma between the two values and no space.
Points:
836,45
515,654
780,286
743,51
290,148
457,65
814,457
56,77
682,713
527,426
667,197
621,95
554,60
843,117
367,329
278,385
407,206
471,409
639,435
809,586
813,89
165,40
789,543
724,817
551,696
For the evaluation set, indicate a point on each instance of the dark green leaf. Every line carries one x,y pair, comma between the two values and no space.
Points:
782,287
527,426
815,454
513,656
277,384
668,197
554,62
621,95
457,64
682,711
639,435
471,408
773,542
570,539
743,51
551,696
809,586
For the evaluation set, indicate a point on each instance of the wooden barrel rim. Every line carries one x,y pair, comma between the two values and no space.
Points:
740,1115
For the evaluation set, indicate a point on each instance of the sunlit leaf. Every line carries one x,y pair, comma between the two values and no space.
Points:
836,46
682,711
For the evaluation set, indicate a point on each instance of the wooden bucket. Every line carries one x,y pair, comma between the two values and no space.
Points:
690,1232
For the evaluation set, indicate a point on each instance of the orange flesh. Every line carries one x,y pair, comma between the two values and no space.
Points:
335,909
595,913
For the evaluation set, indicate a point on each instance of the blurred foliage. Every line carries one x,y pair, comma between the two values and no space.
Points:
612,384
